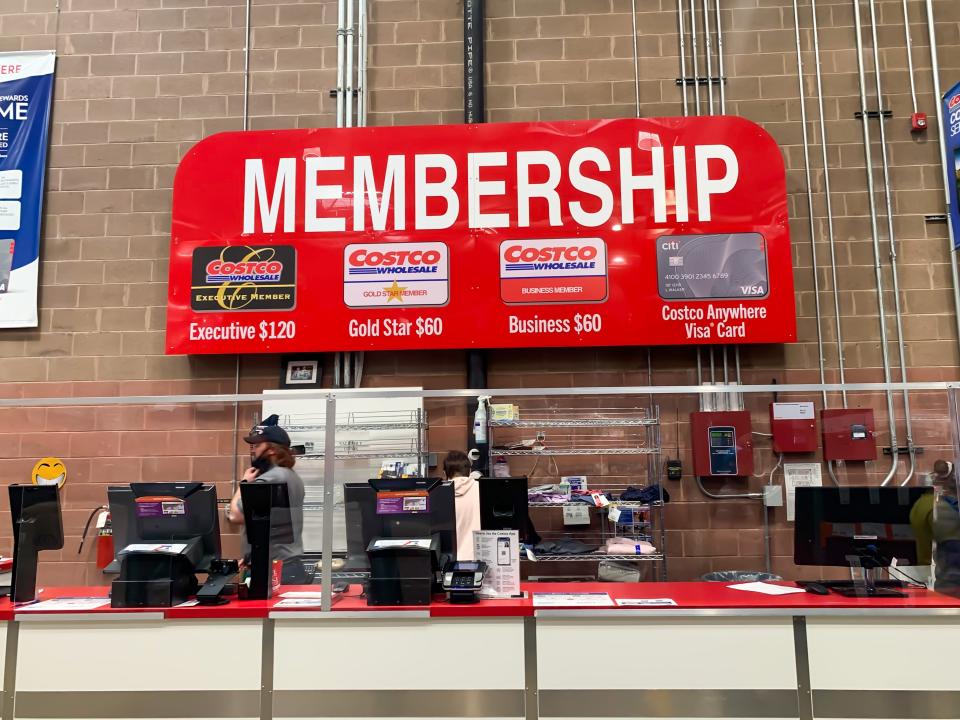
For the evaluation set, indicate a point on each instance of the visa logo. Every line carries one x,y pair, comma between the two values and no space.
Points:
752,289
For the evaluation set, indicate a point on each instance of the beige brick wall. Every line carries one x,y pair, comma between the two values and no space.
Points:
140,81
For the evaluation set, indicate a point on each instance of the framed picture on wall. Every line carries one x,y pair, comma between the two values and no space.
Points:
301,372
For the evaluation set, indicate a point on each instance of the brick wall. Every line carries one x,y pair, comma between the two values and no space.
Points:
140,81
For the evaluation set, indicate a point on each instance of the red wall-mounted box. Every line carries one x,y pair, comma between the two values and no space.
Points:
722,443
794,427
848,434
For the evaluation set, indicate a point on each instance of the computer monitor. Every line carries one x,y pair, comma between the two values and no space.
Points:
503,505
266,516
364,523
37,525
145,513
866,526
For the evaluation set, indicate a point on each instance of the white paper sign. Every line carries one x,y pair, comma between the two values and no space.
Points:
9,214
645,602
297,602
793,411
766,589
799,475
572,600
500,550
66,604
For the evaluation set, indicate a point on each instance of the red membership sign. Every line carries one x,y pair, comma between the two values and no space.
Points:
664,231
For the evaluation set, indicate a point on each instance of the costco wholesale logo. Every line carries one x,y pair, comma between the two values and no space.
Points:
553,271
396,274
954,101
244,277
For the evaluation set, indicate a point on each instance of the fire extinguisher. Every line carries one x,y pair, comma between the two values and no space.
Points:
104,536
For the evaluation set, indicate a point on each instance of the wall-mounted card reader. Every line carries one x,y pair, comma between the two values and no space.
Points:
723,450
722,443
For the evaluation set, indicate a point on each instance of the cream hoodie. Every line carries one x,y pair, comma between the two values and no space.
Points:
467,491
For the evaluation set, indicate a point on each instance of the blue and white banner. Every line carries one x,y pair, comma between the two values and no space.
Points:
26,90
951,131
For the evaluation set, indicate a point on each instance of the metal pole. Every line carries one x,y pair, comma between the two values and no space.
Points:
909,41
829,201
246,70
709,52
682,31
810,218
636,53
348,95
341,59
329,471
891,238
875,233
938,94
722,79
696,62
362,65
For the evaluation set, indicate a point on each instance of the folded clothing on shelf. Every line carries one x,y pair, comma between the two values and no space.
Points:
628,546
567,546
648,494
546,498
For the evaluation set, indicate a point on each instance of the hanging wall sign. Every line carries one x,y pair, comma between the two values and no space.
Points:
26,88
610,232
951,130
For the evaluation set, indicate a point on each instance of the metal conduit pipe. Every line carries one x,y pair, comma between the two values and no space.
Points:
938,93
909,44
348,86
806,171
723,91
636,54
891,238
682,51
341,69
696,63
709,51
875,233
246,70
362,66
829,201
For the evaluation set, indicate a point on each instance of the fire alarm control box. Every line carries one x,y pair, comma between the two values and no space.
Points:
722,443
793,426
848,434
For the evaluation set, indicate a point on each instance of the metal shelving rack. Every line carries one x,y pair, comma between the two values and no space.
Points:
359,424
601,432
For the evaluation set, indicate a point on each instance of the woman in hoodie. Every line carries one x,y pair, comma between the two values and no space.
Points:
456,467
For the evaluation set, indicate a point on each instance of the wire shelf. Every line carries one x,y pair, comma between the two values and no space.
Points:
613,503
594,557
574,451
575,423
357,420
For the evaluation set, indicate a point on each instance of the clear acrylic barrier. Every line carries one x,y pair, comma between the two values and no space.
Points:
617,437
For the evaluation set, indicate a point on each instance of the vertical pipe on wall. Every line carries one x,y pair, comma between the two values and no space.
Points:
829,202
891,238
811,219
682,50
720,73
909,45
694,49
938,94
341,59
636,54
708,45
348,86
246,70
875,234
473,61
362,66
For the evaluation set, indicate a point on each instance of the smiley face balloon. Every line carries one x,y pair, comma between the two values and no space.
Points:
49,471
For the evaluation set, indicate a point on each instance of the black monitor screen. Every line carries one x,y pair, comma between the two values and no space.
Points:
835,526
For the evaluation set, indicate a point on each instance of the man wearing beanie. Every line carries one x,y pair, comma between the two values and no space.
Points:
271,460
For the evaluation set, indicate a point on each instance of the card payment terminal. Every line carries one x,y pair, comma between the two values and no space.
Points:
462,580
723,450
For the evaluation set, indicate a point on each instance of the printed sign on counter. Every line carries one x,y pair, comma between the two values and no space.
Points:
500,550
799,475
26,90
652,231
